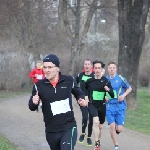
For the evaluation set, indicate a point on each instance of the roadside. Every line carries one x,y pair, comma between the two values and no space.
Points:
26,128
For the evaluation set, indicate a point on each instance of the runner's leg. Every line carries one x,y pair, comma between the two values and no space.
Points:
69,139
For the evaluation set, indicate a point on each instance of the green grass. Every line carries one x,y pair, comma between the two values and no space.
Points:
139,119
13,94
4,94
7,145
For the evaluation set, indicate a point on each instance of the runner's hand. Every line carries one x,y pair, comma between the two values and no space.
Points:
82,102
106,88
35,99
87,100
106,99
121,97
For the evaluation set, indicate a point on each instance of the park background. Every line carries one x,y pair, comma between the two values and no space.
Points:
74,30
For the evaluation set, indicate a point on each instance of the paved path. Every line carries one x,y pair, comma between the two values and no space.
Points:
26,129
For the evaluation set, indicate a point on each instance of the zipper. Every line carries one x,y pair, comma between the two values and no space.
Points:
56,85
55,89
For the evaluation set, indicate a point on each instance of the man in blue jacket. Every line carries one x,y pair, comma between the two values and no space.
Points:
55,92
116,107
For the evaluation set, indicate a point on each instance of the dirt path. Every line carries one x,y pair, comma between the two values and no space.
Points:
26,129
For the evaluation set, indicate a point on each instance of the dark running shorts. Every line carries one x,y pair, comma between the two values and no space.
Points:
98,110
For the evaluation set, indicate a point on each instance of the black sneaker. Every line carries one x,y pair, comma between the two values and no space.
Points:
89,141
81,138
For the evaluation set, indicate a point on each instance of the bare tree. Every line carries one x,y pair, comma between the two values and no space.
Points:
132,16
75,34
24,30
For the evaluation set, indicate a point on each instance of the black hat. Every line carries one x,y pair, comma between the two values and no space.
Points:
52,58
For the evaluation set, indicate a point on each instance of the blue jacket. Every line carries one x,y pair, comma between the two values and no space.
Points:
119,85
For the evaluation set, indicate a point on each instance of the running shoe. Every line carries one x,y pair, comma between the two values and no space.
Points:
116,147
97,148
81,138
89,141
97,145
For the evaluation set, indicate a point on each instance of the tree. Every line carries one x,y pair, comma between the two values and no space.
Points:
23,32
78,33
149,68
132,17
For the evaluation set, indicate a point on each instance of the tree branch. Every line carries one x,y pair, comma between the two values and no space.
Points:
143,19
65,19
73,11
88,20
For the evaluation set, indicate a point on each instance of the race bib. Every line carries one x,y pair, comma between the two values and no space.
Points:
39,77
98,95
60,107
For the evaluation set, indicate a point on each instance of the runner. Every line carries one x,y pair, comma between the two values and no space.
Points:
55,91
96,89
81,80
116,107
37,74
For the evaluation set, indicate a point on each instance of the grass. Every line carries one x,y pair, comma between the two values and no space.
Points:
5,144
139,119
10,94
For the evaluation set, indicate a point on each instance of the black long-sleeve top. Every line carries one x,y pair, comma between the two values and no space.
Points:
94,89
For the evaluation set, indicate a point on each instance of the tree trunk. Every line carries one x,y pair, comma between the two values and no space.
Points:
75,38
149,87
77,35
132,19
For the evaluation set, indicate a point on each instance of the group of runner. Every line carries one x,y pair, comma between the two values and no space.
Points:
98,97
106,97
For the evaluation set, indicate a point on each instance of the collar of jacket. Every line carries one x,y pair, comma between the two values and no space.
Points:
61,78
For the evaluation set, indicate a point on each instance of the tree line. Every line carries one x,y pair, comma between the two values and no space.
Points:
34,28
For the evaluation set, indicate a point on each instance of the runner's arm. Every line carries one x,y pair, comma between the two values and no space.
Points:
110,89
31,105
76,91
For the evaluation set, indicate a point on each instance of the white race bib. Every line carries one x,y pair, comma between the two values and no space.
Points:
39,77
60,107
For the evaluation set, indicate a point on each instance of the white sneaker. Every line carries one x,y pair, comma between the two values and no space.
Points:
116,148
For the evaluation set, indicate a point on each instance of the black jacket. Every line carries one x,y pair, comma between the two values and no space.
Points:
57,117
